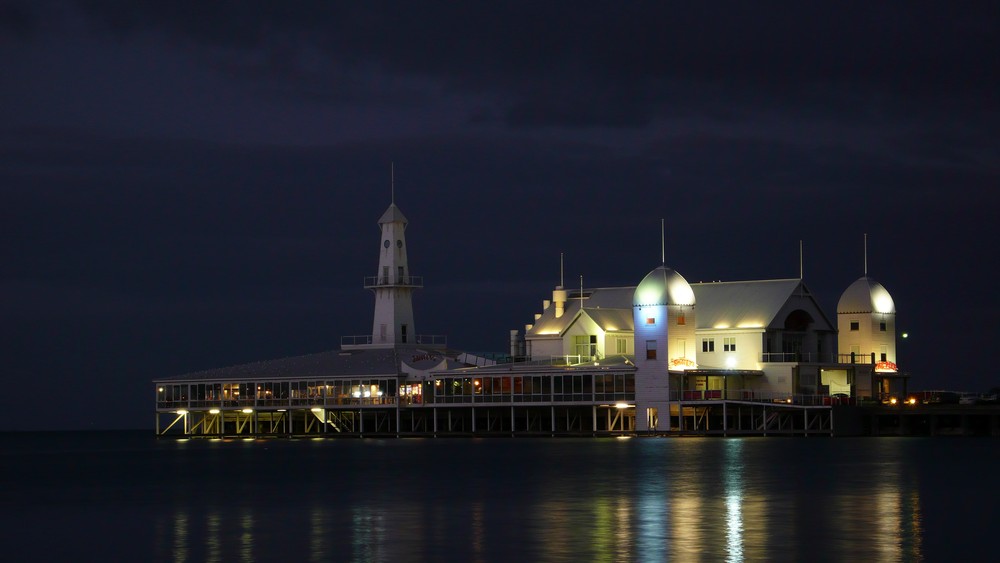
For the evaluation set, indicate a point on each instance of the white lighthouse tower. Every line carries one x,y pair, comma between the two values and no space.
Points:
662,309
393,285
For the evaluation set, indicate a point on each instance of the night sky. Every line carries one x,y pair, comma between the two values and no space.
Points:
189,185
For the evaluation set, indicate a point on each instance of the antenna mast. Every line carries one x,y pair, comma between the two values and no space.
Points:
800,259
866,255
663,244
392,180
561,282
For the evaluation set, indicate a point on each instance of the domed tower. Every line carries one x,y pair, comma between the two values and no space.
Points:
866,321
663,315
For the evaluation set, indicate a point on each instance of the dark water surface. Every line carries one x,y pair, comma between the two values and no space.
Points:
126,496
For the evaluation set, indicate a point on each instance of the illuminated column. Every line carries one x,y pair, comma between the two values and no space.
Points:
661,296
866,326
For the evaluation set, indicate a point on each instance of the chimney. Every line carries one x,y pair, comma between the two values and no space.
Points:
559,298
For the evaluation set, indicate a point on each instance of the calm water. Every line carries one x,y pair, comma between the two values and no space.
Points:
125,496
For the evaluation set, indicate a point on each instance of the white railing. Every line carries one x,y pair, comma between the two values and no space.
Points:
758,396
381,281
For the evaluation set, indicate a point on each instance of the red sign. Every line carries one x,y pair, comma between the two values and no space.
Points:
682,362
886,366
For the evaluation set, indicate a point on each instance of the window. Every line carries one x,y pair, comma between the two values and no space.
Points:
650,349
403,333
621,345
729,344
585,344
650,321
855,325
402,279
708,345
881,326
883,353
680,319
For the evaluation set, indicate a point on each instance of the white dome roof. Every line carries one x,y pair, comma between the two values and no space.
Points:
866,296
663,286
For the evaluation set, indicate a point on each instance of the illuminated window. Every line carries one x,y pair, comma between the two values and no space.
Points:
680,319
881,326
650,349
729,344
650,321
855,325
586,344
708,345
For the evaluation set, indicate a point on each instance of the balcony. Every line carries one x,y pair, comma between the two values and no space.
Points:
435,340
372,282
759,396
811,358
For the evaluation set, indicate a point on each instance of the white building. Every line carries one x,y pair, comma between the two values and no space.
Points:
664,355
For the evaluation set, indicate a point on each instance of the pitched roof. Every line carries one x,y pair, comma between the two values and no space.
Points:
611,319
741,303
594,299
753,303
392,215
333,363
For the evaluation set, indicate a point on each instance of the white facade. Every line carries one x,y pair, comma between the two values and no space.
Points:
393,285
732,339
866,319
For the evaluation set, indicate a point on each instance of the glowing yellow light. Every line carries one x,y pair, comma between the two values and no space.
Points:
161,388
892,401
750,325
721,325
476,382
282,410
247,411
621,405
789,400
912,400
213,411
437,382
316,409
182,411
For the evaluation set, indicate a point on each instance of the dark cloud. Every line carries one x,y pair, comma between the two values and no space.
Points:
600,64
17,20
186,185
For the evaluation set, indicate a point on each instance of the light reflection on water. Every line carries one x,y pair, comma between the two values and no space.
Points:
499,500
734,500
694,500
